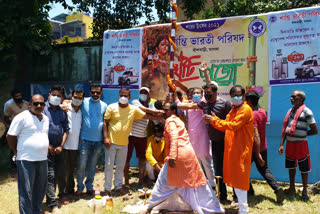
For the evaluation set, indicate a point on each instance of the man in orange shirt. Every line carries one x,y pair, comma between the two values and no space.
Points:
181,172
239,132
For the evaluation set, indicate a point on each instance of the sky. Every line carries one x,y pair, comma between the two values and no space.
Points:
57,9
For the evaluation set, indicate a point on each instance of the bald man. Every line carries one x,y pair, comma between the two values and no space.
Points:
28,139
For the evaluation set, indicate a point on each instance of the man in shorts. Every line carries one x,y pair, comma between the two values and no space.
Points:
295,131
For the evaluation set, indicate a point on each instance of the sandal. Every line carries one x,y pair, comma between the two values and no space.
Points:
64,201
305,197
289,192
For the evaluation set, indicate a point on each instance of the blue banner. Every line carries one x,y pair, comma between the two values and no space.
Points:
121,59
294,47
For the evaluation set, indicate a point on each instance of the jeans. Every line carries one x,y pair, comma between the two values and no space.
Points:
32,185
265,172
217,156
66,179
87,159
54,162
120,154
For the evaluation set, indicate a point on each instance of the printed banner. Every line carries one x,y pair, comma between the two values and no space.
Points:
294,47
235,49
121,62
156,60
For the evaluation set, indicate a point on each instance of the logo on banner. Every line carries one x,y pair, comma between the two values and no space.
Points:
272,19
257,27
107,36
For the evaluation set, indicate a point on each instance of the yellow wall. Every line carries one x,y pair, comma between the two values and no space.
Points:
88,20
85,19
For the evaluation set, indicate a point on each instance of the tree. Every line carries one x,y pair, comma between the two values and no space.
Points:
25,30
227,8
121,14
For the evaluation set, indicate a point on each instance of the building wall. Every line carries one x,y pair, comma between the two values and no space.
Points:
87,20
69,62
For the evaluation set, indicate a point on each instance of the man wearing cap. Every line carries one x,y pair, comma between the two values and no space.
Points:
138,135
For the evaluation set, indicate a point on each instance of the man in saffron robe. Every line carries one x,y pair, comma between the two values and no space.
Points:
181,172
238,128
295,131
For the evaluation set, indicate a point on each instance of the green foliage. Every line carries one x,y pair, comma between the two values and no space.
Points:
25,23
227,8
121,14
66,39
25,30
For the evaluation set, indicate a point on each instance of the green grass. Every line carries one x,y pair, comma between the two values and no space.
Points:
264,200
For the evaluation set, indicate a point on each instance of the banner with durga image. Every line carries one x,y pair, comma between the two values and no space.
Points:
235,51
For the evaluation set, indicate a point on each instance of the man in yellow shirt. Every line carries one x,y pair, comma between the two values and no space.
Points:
155,152
117,125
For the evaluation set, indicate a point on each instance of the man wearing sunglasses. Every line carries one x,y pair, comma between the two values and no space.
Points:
90,144
28,139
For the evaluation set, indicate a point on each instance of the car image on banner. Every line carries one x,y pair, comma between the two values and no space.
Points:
309,68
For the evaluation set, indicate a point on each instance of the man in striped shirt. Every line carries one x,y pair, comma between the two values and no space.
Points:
138,135
295,131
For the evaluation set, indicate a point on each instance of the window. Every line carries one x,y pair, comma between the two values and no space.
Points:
78,31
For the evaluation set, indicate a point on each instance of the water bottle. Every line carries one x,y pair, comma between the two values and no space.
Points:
109,204
97,190
98,205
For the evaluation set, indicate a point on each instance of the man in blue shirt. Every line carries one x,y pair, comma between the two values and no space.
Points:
58,133
91,138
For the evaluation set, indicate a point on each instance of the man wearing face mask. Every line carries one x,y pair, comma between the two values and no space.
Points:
16,107
118,121
138,135
70,151
155,153
239,130
198,134
220,107
58,133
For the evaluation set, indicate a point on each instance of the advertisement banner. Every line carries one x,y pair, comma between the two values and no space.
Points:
121,59
294,47
235,49
156,59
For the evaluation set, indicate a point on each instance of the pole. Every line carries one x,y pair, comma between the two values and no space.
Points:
172,46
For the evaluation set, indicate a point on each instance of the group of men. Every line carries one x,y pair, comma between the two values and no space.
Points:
51,139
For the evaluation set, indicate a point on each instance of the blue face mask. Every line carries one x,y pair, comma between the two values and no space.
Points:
236,101
157,138
143,97
95,100
196,98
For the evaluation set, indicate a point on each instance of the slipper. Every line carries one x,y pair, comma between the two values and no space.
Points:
64,201
77,195
121,191
305,197
289,192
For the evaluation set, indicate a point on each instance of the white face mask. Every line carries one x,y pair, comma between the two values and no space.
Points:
123,100
55,100
76,102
